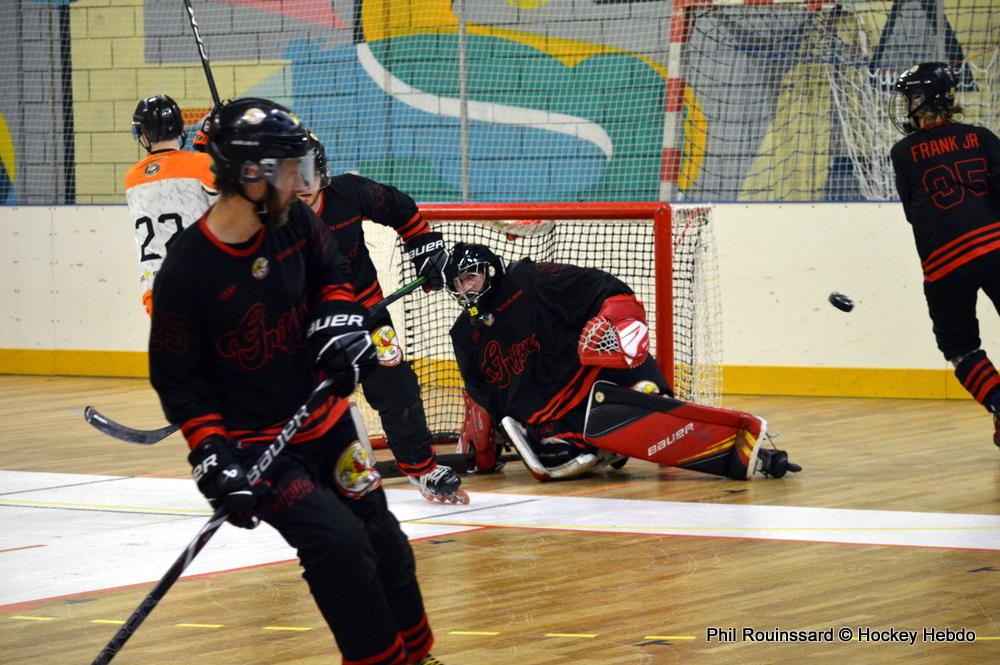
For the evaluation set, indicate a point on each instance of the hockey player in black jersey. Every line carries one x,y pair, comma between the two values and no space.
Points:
948,179
250,302
342,202
559,355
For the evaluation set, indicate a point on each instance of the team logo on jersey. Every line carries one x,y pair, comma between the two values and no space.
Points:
355,474
387,346
260,267
152,168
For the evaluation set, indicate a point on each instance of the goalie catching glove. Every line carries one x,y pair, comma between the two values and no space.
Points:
429,258
221,479
617,337
342,344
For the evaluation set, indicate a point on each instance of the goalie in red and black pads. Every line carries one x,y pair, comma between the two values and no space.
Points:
250,302
533,343
343,202
948,178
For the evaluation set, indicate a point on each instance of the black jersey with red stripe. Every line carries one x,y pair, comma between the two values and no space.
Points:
348,200
525,364
227,349
948,178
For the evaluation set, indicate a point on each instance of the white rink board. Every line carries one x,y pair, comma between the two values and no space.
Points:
72,283
65,534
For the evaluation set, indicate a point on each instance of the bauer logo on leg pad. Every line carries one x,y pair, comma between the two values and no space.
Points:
676,436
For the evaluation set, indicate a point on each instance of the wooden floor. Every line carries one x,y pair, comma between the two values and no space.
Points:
615,598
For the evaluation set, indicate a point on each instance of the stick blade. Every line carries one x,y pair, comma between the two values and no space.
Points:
118,431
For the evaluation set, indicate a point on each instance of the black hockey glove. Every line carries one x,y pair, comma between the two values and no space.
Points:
342,344
429,257
220,477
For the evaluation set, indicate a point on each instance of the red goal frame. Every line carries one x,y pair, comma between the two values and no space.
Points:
657,211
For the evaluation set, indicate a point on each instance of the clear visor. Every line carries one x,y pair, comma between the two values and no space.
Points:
294,172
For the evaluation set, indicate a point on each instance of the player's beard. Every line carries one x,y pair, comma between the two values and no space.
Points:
277,210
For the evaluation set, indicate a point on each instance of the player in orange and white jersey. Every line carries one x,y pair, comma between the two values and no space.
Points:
168,190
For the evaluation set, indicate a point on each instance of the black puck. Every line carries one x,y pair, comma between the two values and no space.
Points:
841,302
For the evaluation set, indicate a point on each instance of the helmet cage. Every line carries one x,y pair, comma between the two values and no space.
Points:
469,298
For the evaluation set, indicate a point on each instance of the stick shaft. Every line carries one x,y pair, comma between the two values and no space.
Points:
202,53
254,476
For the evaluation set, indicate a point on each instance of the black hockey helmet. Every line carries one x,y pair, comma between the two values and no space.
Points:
472,259
319,154
248,138
928,86
157,118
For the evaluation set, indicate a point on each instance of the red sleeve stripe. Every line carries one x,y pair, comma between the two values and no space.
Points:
373,299
193,423
202,433
415,226
336,292
959,261
394,655
367,291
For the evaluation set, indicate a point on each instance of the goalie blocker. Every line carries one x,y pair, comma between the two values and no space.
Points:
667,431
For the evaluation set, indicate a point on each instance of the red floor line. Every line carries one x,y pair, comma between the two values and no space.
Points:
26,547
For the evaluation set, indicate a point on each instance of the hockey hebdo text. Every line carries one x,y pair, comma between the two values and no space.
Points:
890,635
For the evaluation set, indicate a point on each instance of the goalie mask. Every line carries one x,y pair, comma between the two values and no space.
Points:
249,138
157,119
929,86
472,275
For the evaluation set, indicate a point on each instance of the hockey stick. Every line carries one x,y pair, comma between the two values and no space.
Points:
147,437
254,476
202,53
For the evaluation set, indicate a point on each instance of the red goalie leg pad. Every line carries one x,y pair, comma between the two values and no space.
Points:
668,431
477,433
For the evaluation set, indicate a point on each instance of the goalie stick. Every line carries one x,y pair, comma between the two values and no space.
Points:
254,475
147,437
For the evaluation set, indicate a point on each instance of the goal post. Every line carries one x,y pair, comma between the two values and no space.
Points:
665,253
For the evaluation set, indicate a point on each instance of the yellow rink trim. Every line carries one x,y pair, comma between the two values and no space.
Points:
114,622
298,629
842,382
198,625
473,632
737,379
21,617
571,635
73,362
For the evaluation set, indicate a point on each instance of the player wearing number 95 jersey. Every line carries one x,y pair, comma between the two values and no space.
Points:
168,190
948,179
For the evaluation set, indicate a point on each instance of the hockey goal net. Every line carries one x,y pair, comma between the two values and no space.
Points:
666,253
